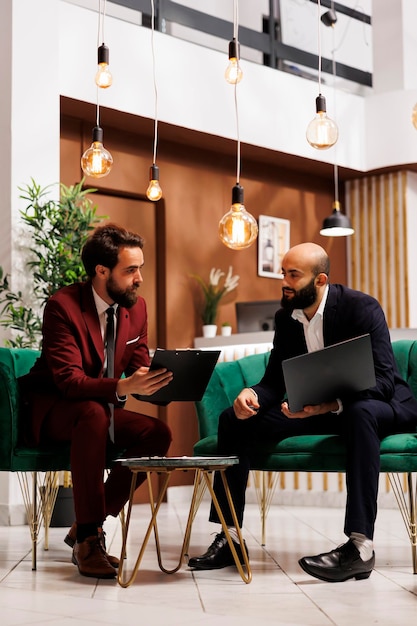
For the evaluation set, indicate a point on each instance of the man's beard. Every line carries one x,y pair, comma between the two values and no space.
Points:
126,298
301,299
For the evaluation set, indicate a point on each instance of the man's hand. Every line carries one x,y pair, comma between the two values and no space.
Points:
245,404
311,409
144,382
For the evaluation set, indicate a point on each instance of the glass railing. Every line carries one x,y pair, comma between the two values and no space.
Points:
282,34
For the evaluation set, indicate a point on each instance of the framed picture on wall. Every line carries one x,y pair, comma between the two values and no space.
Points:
273,243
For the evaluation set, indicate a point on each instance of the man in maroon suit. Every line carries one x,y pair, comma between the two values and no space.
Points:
73,398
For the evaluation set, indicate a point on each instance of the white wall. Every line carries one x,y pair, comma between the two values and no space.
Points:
29,126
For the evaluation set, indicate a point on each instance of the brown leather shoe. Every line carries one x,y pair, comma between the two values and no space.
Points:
71,538
91,559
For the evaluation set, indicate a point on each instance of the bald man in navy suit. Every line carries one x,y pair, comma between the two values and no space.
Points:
316,314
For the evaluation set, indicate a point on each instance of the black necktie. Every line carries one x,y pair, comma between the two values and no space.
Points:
110,360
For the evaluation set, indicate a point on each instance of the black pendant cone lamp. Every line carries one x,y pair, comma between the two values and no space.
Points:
337,224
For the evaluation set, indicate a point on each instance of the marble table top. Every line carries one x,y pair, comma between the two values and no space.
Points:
180,462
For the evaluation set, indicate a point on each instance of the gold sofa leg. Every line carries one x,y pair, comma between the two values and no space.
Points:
407,509
32,491
265,484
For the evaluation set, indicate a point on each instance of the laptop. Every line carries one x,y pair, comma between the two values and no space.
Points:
192,371
327,374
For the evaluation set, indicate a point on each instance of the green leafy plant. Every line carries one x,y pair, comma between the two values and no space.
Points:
58,230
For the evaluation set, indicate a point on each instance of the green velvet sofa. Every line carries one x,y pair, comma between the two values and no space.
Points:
313,453
37,467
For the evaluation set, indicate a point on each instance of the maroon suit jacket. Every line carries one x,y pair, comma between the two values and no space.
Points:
71,362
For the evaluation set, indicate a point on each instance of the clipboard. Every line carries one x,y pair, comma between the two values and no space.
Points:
192,371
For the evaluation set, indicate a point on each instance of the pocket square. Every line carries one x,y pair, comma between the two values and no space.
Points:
133,340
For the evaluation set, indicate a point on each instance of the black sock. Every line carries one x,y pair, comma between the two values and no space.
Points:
86,530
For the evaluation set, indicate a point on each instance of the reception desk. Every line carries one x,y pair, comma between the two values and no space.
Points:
243,344
237,346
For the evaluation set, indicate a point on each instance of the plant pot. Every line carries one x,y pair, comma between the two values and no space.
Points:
226,331
63,513
209,330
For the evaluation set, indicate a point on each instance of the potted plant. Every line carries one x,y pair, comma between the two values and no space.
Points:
213,292
226,329
58,230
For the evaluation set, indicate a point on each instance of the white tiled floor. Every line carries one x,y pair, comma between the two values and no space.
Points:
280,592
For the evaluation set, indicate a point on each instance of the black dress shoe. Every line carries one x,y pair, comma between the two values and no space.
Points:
338,565
218,555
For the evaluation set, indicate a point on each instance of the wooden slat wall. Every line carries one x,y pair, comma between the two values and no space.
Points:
377,252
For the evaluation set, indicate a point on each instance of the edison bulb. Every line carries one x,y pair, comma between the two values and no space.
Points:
238,229
154,191
322,132
414,116
96,160
233,73
104,79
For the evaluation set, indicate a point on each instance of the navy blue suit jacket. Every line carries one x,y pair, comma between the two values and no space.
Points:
347,314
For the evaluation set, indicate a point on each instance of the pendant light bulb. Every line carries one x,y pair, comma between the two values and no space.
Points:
238,229
322,132
233,73
104,78
414,116
154,191
97,161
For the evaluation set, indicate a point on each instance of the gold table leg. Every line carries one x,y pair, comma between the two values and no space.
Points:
201,481
120,578
248,576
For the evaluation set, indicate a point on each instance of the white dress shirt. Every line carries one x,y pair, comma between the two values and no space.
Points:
313,331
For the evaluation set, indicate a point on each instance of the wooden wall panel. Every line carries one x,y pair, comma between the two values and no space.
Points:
377,251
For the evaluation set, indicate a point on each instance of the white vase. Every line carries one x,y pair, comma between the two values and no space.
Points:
209,330
226,331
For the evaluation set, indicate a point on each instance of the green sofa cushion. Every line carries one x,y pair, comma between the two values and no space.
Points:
15,455
18,360
227,380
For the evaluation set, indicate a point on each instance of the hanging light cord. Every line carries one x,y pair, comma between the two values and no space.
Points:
238,137
98,110
235,19
235,35
154,80
319,42
101,16
336,169
100,38
336,182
